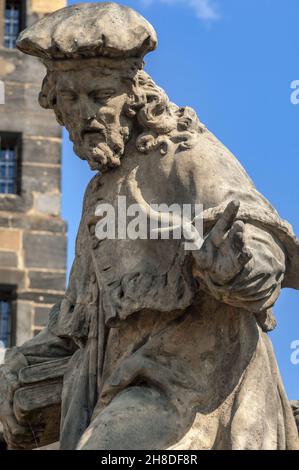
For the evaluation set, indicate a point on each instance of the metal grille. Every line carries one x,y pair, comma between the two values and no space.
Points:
5,323
12,23
8,166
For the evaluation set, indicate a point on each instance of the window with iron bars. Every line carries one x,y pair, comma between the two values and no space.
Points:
10,159
6,317
14,12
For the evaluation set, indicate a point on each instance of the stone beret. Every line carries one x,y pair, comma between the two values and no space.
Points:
89,30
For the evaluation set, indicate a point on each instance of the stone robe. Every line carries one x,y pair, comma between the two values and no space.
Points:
161,357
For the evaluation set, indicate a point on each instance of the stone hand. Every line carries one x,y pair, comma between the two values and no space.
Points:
16,436
224,254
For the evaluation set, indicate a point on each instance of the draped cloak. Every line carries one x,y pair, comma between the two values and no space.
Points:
137,314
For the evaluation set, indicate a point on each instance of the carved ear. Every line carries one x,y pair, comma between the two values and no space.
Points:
51,103
129,110
43,98
48,98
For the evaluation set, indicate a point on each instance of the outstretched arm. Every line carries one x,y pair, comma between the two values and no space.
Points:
241,264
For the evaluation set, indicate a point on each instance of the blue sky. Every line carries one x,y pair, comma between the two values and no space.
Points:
232,61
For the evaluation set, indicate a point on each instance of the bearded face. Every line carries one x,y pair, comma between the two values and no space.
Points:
91,106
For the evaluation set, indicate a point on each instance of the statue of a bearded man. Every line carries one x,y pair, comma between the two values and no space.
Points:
166,348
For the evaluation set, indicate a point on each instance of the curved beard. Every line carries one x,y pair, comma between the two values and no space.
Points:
103,155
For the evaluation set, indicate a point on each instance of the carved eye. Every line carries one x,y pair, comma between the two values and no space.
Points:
101,96
68,96
98,99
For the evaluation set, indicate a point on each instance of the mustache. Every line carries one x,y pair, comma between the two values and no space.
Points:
103,141
93,128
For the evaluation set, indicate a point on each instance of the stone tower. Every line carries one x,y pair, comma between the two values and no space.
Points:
32,232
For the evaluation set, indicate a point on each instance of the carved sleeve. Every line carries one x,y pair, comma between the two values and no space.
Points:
257,286
45,346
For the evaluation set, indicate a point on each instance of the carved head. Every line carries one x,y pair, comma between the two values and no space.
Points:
91,102
96,84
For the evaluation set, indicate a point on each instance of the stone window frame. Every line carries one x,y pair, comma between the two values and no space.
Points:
8,293
22,19
16,139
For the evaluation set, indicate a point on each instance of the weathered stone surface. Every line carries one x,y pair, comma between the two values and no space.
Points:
8,259
12,277
36,331
40,178
2,23
170,334
19,96
36,123
6,67
40,297
16,203
20,68
39,224
295,407
90,23
30,399
10,240
46,280
41,142
44,251
48,203
41,150
50,370
3,445
41,315
24,321
39,398
4,220
54,446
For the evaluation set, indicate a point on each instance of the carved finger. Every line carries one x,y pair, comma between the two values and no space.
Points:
224,223
204,257
237,235
244,256
239,243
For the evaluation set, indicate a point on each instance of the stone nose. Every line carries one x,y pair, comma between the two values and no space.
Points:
87,110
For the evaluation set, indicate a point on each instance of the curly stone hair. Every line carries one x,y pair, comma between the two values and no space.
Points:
160,120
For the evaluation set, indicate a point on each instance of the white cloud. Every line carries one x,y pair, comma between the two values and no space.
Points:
204,9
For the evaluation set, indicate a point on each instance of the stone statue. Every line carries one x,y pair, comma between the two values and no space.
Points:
165,348
295,406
